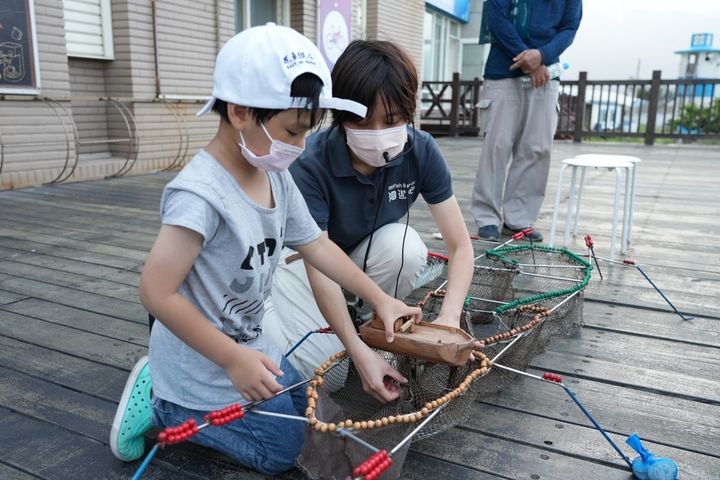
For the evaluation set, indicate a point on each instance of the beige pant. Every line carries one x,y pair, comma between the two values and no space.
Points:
291,312
518,124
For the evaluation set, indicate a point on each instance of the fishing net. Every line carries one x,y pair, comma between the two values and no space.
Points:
547,300
338,407
519,298
552,278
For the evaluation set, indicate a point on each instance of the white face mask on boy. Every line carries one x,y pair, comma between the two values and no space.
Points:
280,157
377,147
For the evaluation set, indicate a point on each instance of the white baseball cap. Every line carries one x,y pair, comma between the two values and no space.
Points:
256,68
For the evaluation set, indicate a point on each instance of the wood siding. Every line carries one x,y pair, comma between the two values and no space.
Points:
39,138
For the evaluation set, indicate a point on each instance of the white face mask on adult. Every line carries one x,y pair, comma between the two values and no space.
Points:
377,147
280,157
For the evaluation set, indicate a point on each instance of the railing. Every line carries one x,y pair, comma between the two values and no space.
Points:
449,107
124,138
647,109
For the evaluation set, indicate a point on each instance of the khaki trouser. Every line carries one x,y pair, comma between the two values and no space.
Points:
291,311
518,124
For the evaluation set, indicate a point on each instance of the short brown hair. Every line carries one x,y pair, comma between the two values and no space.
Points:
368,69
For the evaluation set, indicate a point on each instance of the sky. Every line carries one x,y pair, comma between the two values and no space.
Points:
615,34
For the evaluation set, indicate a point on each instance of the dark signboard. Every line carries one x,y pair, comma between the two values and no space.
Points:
18,51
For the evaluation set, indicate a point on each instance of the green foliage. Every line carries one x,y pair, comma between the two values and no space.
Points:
696,120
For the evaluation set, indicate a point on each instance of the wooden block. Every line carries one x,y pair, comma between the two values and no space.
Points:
409,325
376,322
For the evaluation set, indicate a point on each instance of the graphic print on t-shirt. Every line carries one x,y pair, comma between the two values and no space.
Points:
243,304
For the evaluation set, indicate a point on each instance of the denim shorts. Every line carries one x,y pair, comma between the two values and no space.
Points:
267,444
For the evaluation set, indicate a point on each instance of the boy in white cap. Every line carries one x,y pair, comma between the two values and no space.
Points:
225,219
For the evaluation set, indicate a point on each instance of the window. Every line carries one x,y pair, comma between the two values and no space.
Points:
441,48
88,28
251,13
692,64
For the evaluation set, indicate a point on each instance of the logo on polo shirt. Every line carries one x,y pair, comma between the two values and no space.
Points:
401,191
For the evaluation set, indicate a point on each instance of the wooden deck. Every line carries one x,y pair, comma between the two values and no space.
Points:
71,327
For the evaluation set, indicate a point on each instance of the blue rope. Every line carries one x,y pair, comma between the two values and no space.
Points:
299,342
597,425
662,294
145,462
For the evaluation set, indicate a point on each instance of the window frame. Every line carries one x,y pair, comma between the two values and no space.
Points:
106,28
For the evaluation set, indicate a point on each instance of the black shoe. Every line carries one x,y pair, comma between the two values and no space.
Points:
533,236
490,233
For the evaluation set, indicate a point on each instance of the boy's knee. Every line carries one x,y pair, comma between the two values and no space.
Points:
281,458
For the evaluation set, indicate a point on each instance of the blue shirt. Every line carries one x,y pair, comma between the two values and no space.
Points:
552,28
344,202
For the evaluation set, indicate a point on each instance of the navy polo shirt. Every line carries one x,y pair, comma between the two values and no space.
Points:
344,202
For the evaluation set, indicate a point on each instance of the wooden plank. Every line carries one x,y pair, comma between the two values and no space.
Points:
64,369
629,376
9,473
135,332
87,345
74,281
419,466
661,364
662,419
106,235
50,452
52,262
23,200
70,297
665,325
70,252
65,240
87,416
580,441
10,297
57,405
508,459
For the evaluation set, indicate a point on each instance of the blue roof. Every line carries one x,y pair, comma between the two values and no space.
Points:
699,50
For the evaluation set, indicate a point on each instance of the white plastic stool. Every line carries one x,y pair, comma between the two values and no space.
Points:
623,170
634,161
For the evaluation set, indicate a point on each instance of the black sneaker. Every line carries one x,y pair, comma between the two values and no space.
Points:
534,236
490,233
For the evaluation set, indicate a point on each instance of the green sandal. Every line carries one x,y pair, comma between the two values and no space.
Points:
134,415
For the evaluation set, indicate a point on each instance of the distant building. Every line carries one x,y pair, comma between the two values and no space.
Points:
699,61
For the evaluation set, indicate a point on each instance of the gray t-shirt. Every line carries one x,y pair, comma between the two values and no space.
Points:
230,279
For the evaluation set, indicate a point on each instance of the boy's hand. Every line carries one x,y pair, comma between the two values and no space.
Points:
253,375
379,379
392,309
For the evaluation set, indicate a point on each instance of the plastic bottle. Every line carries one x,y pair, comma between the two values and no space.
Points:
555,70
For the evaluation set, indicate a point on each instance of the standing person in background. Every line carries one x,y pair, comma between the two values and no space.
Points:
359,178
518,111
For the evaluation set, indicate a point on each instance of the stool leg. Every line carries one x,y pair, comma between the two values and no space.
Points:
579,199
616,200
632,201
571,198
627,208
553,225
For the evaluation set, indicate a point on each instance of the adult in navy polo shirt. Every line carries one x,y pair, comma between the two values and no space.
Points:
518,110
359,178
